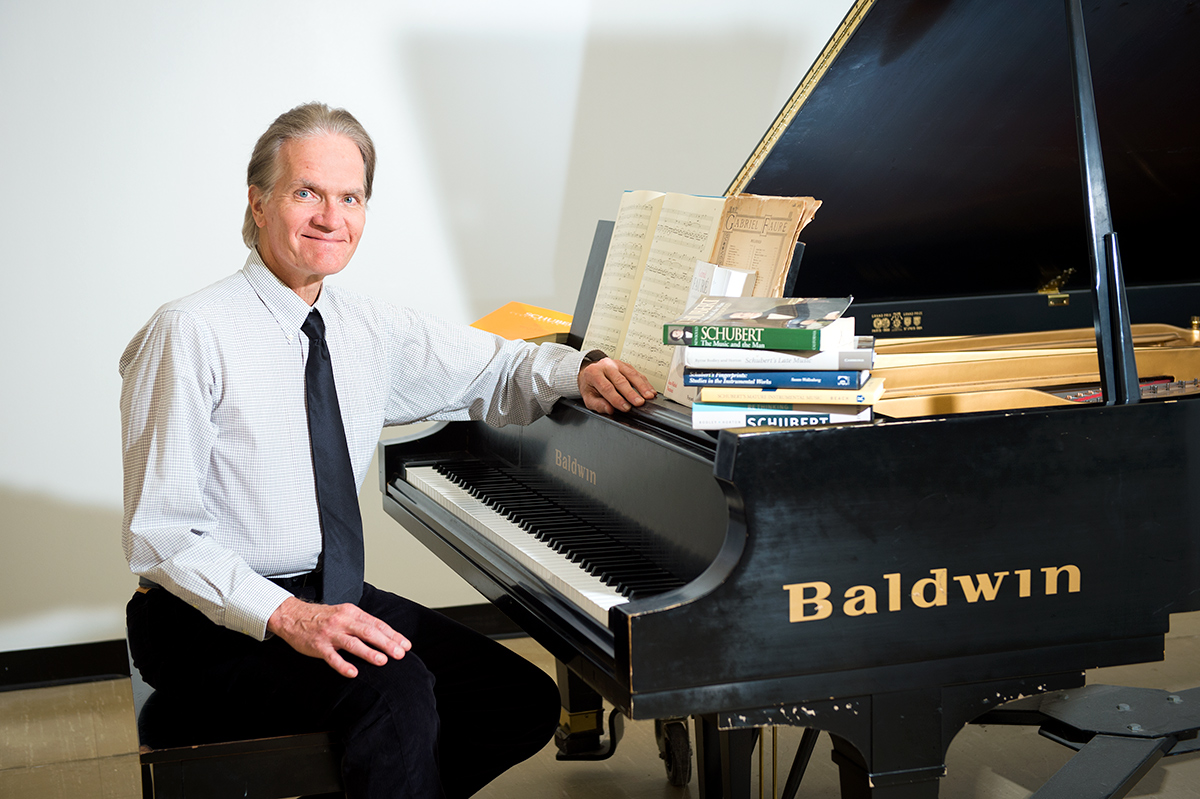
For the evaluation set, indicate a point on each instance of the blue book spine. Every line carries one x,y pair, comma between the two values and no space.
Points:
772,379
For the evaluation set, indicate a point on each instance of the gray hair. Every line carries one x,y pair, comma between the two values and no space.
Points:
302,122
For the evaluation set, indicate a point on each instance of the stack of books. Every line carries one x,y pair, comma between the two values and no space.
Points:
774,363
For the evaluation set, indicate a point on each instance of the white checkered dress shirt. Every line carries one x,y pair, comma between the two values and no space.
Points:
218,471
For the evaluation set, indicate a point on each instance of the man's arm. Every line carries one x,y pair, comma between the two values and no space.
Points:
167,440
607,385
455,373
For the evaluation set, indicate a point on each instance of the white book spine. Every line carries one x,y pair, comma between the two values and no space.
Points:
706,416
854,358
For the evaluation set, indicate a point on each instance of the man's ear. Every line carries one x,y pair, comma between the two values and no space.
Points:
256,206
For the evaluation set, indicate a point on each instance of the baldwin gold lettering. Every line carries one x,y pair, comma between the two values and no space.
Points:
798,603
811,601
893,590
1026,578
1052,573
937,582
985,586
860,600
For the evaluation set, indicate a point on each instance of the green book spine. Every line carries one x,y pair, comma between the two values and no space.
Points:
743,336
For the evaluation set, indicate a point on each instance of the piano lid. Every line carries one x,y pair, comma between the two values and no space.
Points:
940,135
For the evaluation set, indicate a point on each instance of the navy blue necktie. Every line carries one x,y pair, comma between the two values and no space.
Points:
337,497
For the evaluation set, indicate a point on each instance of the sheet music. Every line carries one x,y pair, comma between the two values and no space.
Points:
686,232
759,234
632,232
657,239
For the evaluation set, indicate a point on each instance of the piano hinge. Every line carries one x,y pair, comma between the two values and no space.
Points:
840,36
1053,289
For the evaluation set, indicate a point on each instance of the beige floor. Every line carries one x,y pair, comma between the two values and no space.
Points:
983,762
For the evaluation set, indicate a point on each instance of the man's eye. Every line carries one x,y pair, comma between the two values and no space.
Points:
304,194
351,200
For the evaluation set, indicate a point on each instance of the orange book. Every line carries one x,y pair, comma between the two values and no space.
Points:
529,322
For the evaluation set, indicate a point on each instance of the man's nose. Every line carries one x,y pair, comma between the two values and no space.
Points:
328,216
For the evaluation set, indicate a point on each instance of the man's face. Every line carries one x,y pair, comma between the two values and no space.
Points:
310,226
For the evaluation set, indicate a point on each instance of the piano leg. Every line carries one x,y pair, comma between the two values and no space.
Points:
897,749
907,758
723,759
582,722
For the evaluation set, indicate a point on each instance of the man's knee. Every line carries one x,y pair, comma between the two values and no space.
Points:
389,725
401,689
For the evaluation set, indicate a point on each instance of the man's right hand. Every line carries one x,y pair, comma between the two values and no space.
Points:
319,631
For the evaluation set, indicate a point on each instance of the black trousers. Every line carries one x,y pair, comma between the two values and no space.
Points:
444,720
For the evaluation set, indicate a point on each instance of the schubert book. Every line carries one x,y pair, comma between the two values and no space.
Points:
714,416
775,379
858,354
867,395
770,323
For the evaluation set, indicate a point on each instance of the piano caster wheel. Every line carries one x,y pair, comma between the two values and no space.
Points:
675,748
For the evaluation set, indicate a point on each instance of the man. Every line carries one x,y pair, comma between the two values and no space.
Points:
250,411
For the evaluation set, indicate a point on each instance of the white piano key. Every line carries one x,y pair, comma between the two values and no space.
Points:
576,585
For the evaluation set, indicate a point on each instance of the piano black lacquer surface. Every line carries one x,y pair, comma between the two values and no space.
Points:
888,582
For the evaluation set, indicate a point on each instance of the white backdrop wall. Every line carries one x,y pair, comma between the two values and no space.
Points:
504,130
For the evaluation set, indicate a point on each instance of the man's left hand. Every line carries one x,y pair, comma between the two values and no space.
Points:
607,385
320,631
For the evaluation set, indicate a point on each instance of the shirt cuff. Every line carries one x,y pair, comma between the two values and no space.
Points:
564,379
249,609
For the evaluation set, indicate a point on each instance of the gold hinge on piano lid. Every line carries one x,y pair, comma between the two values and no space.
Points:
1052,288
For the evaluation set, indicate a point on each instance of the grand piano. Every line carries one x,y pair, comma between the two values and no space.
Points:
889,582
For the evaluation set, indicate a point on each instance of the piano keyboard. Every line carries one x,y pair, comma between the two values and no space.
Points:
579,554
580,588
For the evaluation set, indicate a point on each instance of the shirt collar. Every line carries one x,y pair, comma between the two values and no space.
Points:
284,304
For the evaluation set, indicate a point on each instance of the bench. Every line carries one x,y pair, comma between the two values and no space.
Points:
188,751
